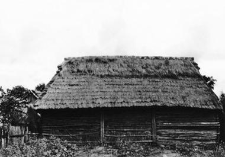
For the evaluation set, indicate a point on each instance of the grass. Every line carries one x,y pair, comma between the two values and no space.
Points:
55,147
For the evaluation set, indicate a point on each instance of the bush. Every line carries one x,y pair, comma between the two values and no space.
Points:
52,147
55,147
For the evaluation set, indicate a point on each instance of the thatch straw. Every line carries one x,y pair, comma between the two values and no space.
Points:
89,82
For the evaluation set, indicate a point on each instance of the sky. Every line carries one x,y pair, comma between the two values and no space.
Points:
36,36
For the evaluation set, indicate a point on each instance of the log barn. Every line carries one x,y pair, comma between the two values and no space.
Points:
111,99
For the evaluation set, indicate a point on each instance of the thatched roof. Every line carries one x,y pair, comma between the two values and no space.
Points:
125,81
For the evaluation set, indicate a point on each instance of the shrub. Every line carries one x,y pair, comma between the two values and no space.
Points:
52,147
55,147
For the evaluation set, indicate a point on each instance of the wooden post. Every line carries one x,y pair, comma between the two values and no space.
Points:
22,132
7,139
2,138
25,134
153,126
102,127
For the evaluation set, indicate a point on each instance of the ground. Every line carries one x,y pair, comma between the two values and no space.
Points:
55,147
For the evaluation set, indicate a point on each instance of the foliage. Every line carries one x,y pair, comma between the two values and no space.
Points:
40,87
219,151
55,147
188,149
13,102
2,92
210,81
222,99
126,148
222,117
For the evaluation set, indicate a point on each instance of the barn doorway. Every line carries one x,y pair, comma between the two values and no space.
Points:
128,125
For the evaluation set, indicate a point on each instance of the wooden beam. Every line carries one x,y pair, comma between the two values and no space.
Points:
153,126
102,127
218,129
122,136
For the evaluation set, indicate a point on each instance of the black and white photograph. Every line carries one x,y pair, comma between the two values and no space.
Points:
112,78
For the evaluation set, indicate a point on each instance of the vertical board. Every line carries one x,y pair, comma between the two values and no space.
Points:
16,134
128,125
154,138
102,123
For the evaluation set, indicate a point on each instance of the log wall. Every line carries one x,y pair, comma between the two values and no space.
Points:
80,126
191,126
166,126
128,125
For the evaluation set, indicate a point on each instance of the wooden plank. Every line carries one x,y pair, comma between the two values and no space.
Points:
153,125
22,135
71,135
197,133
107,135
133,130
189,124
142,141
75,125
102,127
186,139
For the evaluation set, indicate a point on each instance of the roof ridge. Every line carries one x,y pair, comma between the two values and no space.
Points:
141,57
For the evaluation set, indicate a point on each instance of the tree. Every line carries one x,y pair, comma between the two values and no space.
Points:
2,92
222,98
40,87
13,103
222,117
210,81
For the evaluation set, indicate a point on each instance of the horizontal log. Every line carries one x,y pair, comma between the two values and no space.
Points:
187,134
128,115
33,133
176,118
142,141
186,130
69,122
21,135
128,119
72,120
61,118
67,133
81,143
128,125
128,122
75,125
68,117
184,125
185,112
147,129
180,143
71,130
106,135
70,135
186,122
189,124
186,138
